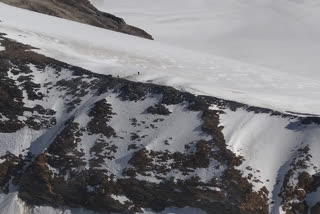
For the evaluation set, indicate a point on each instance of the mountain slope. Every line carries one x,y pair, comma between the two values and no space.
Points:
277,34
89,149
80,11
73,138
157,62
76,141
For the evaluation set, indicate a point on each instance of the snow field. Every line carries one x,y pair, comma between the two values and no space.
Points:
159,62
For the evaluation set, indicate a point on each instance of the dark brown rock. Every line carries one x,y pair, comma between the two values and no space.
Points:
81,11
316,209
62,176
101,114
159,109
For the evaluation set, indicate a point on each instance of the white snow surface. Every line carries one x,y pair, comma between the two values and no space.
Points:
280,34
177,130
268,145
313,198
121,198
108,52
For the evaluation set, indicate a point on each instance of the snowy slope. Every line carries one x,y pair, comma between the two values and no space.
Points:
100,50
271,144
81,123
279,34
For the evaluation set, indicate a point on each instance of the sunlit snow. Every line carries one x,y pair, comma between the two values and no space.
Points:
109,52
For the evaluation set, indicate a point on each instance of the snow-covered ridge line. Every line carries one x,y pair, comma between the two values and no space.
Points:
108,52
241,158
114,149
82,11
167,146
272,147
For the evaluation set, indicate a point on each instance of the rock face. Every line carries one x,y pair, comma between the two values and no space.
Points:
298,184
101,149
81,11
316,209
111,145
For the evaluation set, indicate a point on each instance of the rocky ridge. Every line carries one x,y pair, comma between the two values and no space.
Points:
107,144
80,11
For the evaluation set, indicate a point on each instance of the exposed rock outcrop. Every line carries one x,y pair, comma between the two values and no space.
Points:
109,146
81,11
99,154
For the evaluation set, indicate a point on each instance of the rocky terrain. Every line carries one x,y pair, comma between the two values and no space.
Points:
73,138
109,140
81,11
